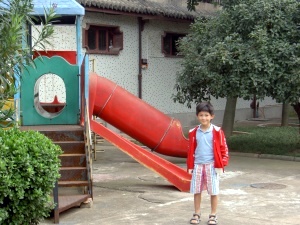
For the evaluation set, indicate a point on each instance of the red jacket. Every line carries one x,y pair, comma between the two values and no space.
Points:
219,147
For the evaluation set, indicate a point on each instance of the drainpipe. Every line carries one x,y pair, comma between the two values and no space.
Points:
140,57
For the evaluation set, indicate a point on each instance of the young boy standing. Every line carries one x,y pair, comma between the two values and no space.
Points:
207,157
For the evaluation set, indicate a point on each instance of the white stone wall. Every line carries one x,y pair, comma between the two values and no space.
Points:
63,39
49,86
123,68
159,77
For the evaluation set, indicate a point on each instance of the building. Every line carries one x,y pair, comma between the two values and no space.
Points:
132,42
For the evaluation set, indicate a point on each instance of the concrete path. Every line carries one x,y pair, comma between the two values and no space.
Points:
253,191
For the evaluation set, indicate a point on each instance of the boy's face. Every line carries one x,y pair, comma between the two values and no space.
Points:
205,118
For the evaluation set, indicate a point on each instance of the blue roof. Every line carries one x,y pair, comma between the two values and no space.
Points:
62,7
4,4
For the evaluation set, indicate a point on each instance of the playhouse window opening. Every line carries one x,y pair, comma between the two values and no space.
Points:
103,39
49,95
169,44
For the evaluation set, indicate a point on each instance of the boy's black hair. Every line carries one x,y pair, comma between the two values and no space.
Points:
205,107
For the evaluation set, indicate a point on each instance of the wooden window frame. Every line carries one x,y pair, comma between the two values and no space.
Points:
173,37
114,39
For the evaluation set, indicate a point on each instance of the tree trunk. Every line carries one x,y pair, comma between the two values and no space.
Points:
297,109
285,114
229,114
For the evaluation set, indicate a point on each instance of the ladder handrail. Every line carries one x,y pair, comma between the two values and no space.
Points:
88,144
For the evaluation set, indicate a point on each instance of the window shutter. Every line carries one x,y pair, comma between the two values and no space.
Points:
94,42
118,41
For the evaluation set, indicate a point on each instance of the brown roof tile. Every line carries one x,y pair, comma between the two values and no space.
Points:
167,8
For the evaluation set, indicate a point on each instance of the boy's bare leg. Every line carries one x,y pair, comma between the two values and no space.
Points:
197,202
214,204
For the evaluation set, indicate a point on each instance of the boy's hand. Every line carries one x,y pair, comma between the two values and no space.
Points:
190,171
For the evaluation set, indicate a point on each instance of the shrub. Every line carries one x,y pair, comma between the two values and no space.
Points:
29,167
266,140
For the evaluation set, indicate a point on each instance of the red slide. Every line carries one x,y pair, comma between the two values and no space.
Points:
142,122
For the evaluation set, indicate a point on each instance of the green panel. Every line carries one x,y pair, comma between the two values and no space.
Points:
68,73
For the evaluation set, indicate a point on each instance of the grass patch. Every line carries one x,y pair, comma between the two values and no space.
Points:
266,140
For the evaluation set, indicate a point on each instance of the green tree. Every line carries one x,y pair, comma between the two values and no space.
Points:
249,48
15,51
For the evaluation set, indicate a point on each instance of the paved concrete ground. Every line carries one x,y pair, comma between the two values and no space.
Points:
125,192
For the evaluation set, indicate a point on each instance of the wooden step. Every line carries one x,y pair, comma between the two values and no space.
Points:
71,147
69,201
73,170
76,160
73,174
72,183
59,132
65,202
76,135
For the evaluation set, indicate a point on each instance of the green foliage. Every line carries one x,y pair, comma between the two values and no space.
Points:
192,3
250,48
266,140
225,3
6,109
15,19
29,167
15,52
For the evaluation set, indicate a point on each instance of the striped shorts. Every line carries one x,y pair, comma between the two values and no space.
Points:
205,178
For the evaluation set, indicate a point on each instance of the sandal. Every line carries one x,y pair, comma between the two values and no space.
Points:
212,219
194,219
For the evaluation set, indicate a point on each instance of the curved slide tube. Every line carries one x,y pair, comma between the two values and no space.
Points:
142,122
136,118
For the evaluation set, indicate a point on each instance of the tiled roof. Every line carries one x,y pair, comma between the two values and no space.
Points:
167,8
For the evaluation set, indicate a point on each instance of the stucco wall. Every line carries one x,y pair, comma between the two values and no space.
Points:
63,38
122,68
159,77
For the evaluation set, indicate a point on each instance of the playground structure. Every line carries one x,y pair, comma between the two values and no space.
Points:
67,115
142,122
69,127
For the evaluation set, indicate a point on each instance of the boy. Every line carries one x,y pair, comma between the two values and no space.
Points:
207,157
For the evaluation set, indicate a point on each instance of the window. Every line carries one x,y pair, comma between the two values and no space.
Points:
169,43
103,39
